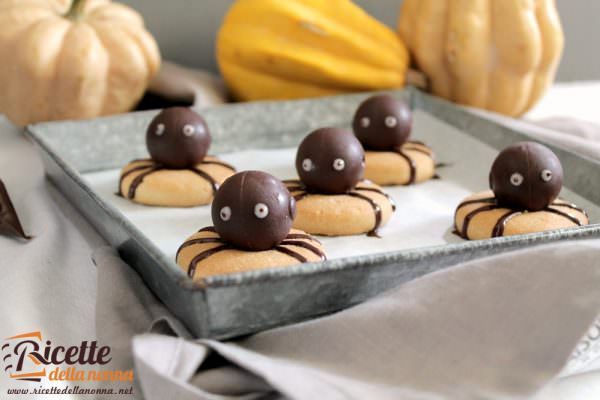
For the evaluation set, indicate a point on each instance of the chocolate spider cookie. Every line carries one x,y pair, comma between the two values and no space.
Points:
179,173
331,197
252,215
383,126
526,179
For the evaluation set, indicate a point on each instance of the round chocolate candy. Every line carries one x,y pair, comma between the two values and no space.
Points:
527,176
253,210
330,161
178,138
382,123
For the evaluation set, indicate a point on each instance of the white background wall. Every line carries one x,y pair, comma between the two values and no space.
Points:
186,29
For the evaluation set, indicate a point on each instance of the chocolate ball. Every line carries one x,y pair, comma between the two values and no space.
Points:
527,176
330,161
253,210
178,138
382,123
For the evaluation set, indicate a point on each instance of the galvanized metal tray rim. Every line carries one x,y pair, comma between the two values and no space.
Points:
520,126
348,263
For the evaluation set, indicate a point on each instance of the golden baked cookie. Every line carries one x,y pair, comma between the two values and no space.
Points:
479,217
364,209
149,183
205,254
413,163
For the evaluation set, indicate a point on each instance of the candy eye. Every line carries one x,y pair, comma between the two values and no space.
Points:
365,122
261,210
307,164
391,122
189,130
339,164
225,213
160,129
546,175
516,179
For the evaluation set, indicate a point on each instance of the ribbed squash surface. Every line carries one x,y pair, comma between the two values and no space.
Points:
500,55
274,49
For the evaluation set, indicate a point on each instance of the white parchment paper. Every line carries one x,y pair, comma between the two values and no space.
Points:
424,215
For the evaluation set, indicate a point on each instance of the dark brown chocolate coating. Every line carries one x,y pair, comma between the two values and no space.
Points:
526,175
330,161
253,210
382,123
178,138
9,220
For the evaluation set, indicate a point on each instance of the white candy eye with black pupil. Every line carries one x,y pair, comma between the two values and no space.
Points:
365,122
339,164
261,210
391,121
307,164
225,213
189,130
160,129
546,175
516,179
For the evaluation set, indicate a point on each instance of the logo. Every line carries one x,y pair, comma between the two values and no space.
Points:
19,349
28,357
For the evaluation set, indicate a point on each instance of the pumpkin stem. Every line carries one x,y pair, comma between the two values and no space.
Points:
76,10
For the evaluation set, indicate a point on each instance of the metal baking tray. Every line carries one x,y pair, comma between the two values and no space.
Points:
234,305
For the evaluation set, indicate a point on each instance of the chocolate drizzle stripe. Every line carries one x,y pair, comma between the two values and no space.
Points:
137,181
204,255
155,167
572,207
503,221
220,163
376,210
291,253
471,215
378,191
207,177
224,246
304,245
411,165
500,225
129,172
371,189
192,242
570,217
294,185
421,150
301,236
483,200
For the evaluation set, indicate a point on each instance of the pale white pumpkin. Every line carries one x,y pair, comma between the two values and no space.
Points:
77,59
500,55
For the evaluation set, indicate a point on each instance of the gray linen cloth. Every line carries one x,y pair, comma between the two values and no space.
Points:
501,327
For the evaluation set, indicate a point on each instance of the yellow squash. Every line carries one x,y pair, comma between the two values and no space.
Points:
500,55
72,60
282,49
